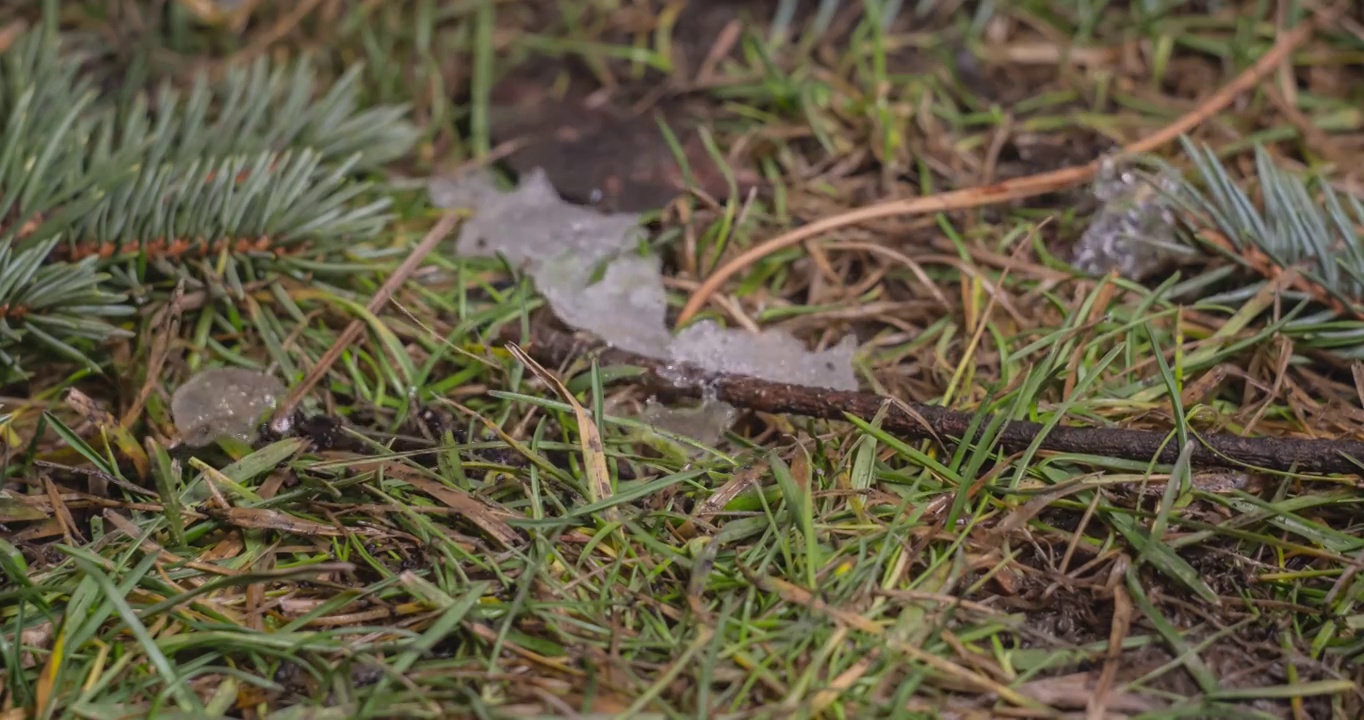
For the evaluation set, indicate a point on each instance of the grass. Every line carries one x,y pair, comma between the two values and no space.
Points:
456,533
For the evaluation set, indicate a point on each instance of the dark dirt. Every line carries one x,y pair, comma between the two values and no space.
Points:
1069,611
603,155
604,147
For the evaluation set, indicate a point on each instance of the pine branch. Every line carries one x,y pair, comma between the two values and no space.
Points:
260,109
52,306
261,204
1288,228
260,165
1301,234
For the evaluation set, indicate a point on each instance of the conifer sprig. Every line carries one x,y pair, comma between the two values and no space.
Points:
53,306
261,163
263,108
1288,224
244,204
1284,223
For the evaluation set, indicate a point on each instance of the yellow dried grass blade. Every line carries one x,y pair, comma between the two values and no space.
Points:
589,438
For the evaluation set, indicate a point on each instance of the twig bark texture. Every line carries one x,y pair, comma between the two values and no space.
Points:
670,380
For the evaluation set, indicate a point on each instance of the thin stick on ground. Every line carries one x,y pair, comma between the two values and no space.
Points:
922,421
433,238
1016,189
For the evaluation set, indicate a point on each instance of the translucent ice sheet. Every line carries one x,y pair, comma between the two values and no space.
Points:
223,402
563,246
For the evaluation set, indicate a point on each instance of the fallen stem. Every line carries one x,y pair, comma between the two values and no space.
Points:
670,380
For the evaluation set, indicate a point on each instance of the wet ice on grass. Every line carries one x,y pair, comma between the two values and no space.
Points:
627,307
223,402
530,225
770,355
587,266
1133,233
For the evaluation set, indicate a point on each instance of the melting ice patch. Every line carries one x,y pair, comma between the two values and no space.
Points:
563,247
223,402
770,355
1133,232
627,307
705,423
531,225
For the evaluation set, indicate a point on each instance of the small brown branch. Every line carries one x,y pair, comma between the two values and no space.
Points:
673,380
174,248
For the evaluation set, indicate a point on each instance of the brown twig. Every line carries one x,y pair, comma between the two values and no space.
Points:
433,238
552,347
1016,189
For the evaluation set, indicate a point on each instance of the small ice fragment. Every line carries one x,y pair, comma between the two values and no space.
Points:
685,375
705,423
223,402
627,307
467,191
770,355
531,226
1134,230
